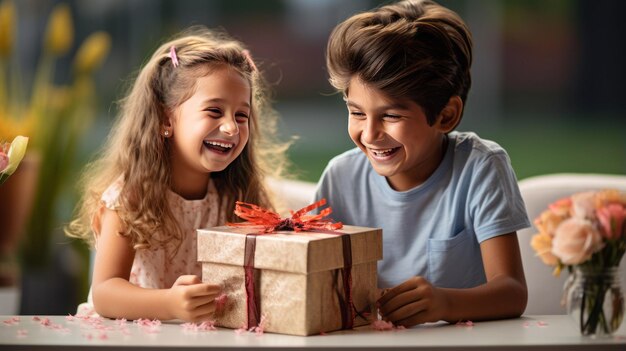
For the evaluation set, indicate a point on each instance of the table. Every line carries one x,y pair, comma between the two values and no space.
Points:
547,332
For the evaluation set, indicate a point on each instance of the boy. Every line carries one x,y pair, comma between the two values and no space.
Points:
448,202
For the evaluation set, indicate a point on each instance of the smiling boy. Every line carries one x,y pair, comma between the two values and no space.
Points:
448,202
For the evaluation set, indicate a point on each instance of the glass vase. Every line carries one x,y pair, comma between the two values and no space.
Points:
595,300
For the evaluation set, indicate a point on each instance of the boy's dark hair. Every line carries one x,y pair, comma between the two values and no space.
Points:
411,49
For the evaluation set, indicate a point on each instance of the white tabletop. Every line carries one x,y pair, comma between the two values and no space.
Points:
529,332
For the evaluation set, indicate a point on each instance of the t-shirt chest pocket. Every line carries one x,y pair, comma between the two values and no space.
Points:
455,262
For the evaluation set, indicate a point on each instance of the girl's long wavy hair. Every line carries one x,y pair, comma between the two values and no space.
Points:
136,150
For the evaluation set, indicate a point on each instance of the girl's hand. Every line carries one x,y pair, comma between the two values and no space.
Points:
413,302
191,300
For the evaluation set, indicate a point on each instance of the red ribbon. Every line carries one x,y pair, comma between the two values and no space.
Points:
270,221
299,221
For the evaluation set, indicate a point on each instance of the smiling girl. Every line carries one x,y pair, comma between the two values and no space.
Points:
193,136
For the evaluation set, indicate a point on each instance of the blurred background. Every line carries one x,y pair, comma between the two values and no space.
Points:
548,85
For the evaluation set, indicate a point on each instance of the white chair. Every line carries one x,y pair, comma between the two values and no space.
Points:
544,289
291,194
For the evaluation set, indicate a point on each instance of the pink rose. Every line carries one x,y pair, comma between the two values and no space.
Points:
611,219
4,161
575,240
561,207
583,205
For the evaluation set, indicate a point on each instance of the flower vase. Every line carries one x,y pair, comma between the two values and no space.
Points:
595,300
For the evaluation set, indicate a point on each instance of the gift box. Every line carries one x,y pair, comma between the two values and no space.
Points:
298,283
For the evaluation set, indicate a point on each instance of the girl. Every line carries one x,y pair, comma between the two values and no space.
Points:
194,135
448,202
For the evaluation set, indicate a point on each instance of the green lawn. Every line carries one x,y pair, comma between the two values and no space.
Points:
533,150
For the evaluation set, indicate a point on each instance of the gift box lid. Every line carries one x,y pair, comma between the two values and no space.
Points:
297,252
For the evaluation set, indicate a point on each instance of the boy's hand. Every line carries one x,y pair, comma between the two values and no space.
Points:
413,302
191,300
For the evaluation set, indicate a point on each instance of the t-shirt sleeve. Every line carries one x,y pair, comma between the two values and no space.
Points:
323,190
496,205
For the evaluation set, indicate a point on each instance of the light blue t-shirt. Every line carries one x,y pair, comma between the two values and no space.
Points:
435,229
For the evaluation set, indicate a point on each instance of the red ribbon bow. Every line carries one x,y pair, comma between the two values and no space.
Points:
257,216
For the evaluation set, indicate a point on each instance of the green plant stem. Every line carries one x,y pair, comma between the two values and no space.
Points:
35,249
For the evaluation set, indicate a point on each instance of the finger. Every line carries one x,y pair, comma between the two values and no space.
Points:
202,300
418,318
398,301
204,310
407,311
406,286
187,280
381,292
204,290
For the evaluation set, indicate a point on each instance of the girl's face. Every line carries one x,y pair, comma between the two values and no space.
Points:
394,134
210,129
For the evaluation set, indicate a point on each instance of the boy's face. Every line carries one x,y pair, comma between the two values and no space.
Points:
210,129
394,134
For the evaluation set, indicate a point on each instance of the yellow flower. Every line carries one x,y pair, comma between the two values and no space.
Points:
10,127
92,52
60,31
542,244
7,25
609,196
15,155
547,222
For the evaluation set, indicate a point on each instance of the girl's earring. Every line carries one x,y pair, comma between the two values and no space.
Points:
166,133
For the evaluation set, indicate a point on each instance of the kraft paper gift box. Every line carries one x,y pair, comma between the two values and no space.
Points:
300,280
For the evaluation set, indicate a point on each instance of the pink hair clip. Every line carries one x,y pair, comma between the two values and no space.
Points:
173,56
246,53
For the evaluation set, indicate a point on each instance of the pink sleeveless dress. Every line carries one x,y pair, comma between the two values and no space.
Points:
159,267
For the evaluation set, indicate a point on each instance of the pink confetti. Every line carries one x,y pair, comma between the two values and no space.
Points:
69,318
526,324
381,325
204,326
259,330
36,319
468,323
542,324
148,326
22,333
12,321
220,303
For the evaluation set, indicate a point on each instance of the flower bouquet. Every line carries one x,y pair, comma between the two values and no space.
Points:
586,233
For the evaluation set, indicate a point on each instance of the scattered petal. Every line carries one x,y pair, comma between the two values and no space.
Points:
468,323
381,325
